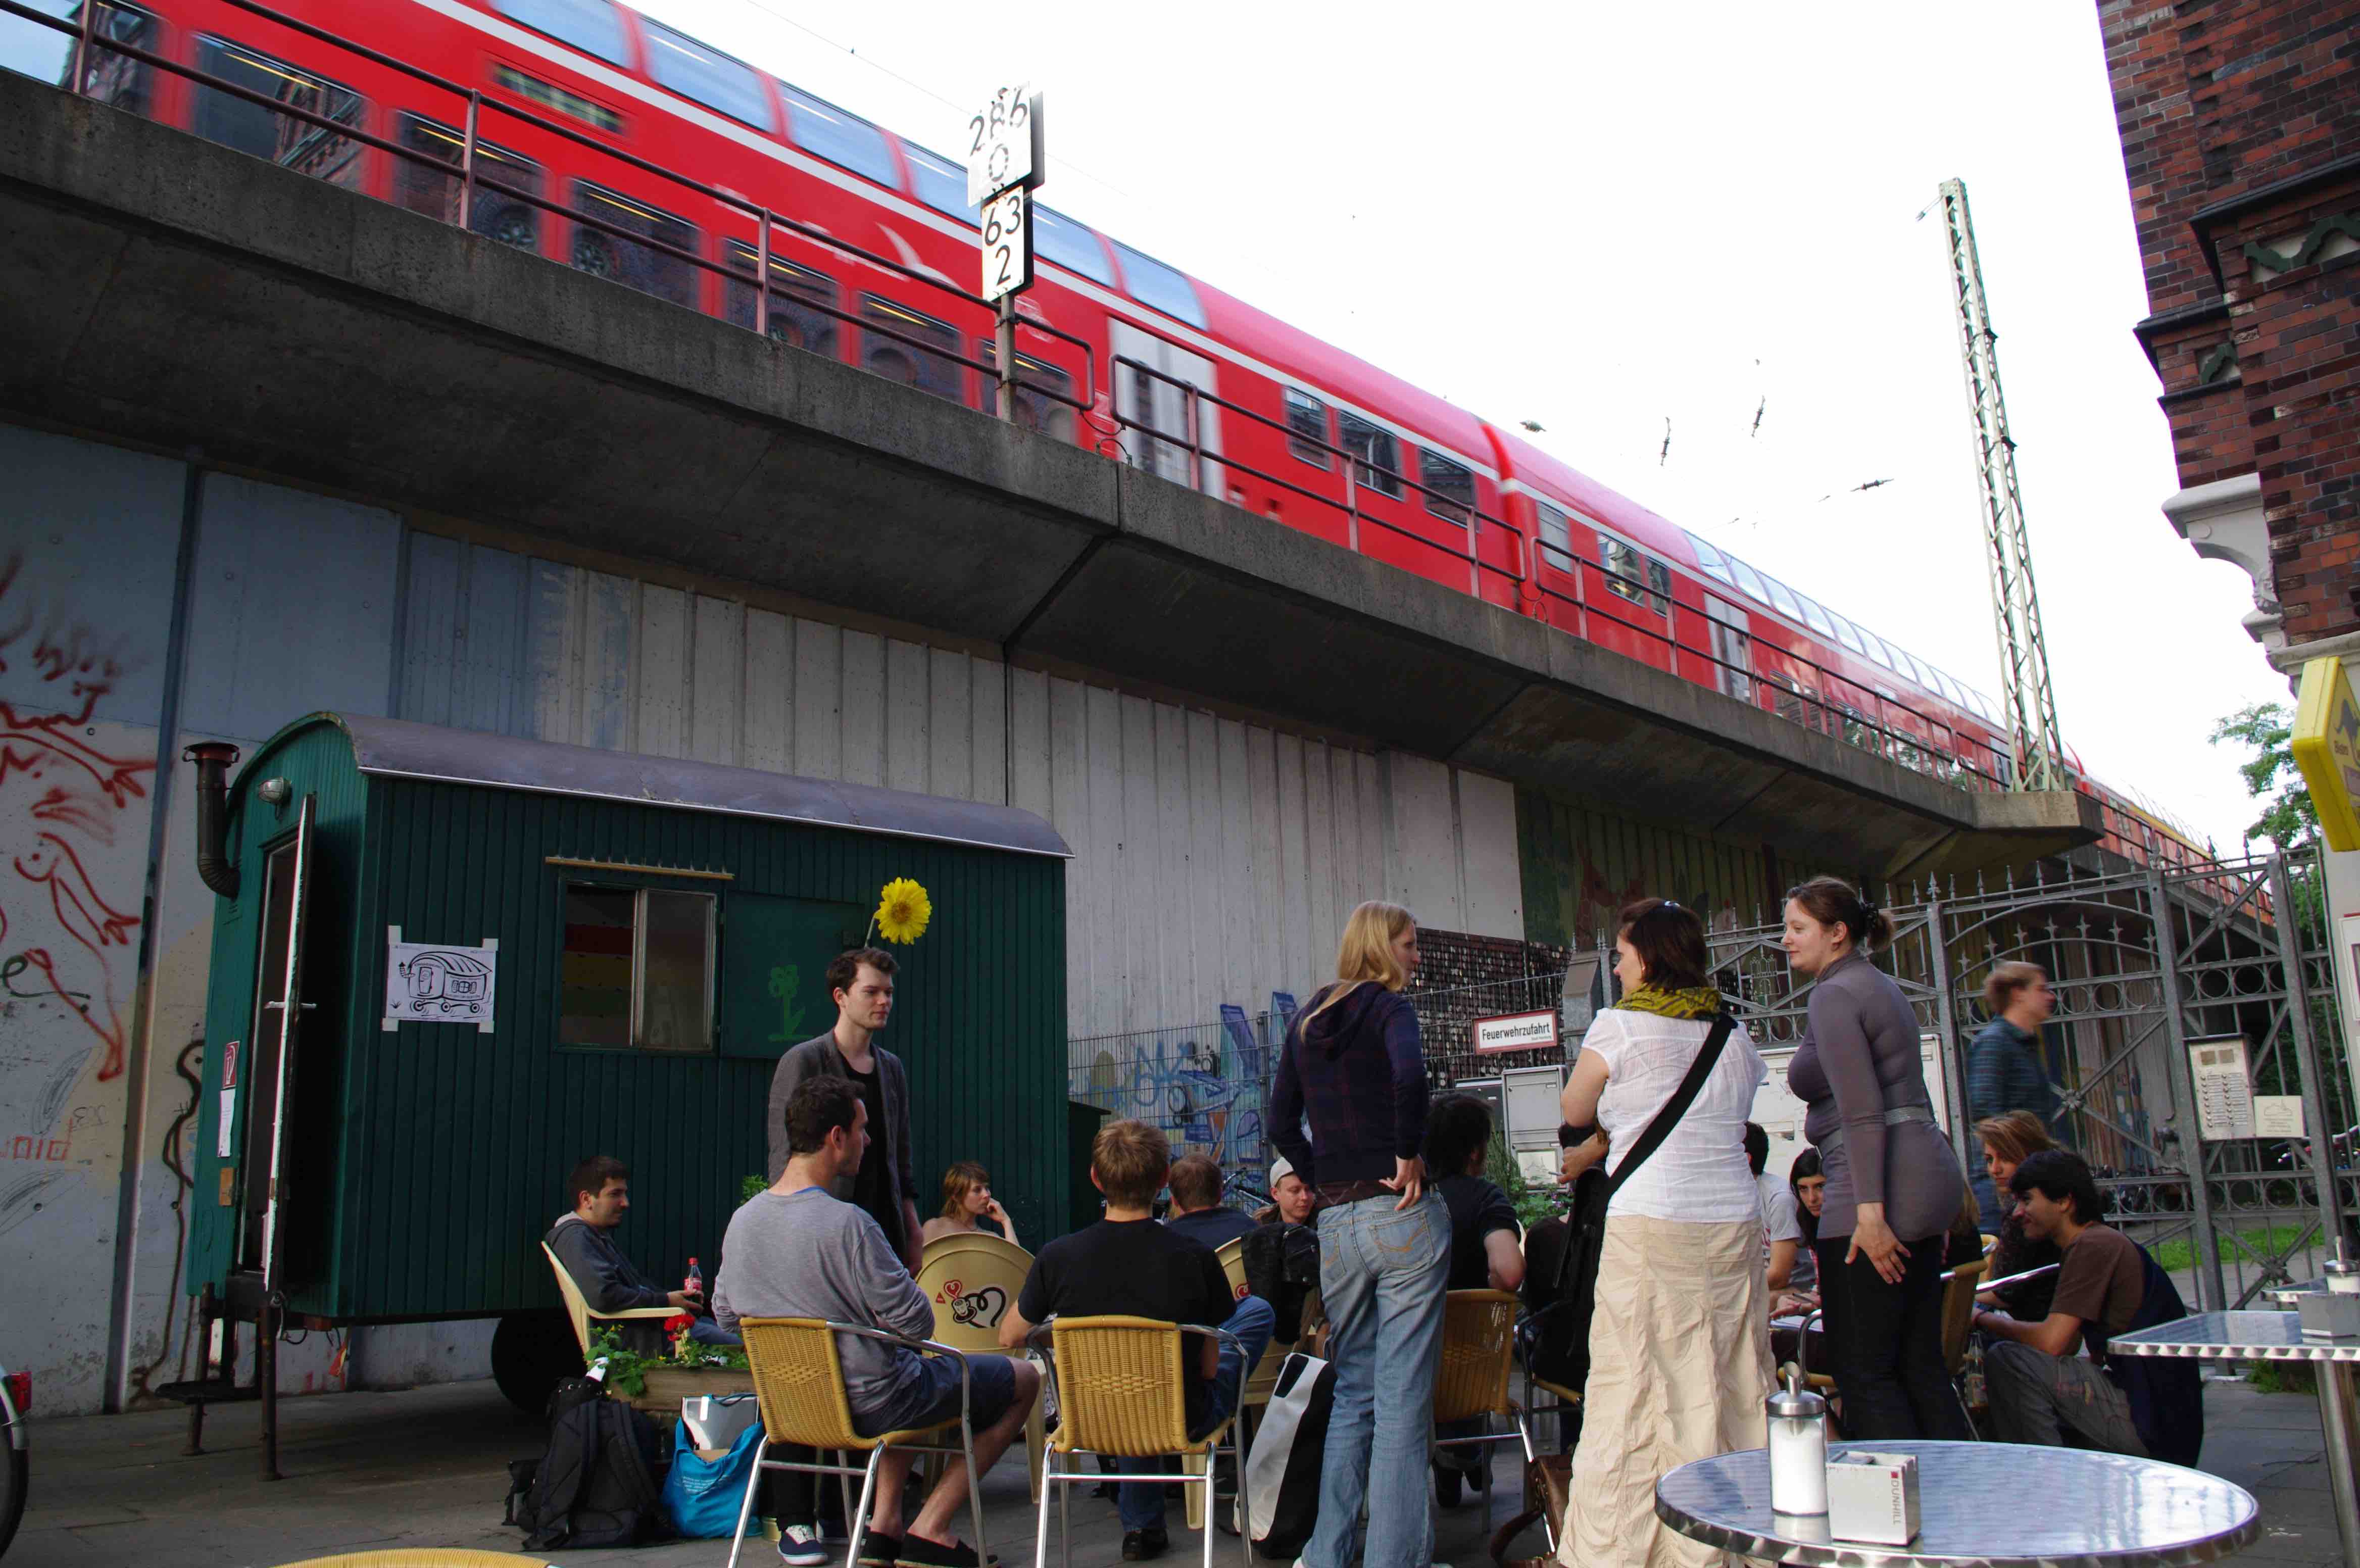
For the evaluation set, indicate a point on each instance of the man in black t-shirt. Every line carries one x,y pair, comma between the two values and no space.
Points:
1128,1264
1486,1252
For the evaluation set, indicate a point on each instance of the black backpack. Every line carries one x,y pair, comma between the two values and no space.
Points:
1281,1267
598,1483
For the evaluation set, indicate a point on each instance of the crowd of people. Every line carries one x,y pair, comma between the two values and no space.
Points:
1700,1249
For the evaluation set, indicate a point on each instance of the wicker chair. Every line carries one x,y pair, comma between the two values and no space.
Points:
581,1312
421,1557
960,1275
1120,1393
798,1379
1478,1350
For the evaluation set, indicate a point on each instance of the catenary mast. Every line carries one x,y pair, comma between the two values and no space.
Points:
2024,688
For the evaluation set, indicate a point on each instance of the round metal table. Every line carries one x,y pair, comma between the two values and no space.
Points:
2098,1511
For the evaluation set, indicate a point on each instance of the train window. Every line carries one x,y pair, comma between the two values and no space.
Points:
1154,284
1782,601
1915,670
249,128
423,188
1816,615
1879,650
712,77
1034,412
636,967
1379,467
626,260
1306,426
590,26
1847,633
845,140
793,290
941,185
1557,536
1748,580
1451,486
905,361
1058,238
550,95
1950,689
1710,560
1630,572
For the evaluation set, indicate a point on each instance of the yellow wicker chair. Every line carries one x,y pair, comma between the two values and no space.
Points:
1478,1350
799,1379
1120,1393
973,1282
421,1557
1264,1378
580,1312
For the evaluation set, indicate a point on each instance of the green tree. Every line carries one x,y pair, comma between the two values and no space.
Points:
2265,730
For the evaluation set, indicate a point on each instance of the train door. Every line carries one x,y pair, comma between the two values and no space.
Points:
270,1071
1732,649
1148,397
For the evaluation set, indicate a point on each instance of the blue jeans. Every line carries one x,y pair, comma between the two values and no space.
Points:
1381,1278
1140,1503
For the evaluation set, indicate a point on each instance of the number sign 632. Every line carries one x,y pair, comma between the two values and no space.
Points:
1006,245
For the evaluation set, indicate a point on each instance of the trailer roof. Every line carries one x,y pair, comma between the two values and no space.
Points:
398,748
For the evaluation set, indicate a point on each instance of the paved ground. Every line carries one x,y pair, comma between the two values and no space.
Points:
427,1467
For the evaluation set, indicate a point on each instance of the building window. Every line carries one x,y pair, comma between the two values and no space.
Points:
423,188
1379,467
591,25
1307,427
845,140
708,76
1557,535
643,267
793,291
636,970
1449,486
899,359
249,128
1633,574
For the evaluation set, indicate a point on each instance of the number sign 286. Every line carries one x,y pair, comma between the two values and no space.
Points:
1007,244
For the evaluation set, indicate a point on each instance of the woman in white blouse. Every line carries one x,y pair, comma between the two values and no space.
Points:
1680,1347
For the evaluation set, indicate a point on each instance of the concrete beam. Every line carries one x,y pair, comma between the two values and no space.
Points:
158,290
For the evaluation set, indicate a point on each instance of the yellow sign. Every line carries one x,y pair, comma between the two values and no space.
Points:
2327,748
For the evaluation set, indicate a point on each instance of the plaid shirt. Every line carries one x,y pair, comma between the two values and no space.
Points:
1358,1072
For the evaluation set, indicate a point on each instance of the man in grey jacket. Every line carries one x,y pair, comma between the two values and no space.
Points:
583,1241
883,1185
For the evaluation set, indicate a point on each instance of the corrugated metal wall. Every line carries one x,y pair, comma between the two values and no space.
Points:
1214,860
1583,862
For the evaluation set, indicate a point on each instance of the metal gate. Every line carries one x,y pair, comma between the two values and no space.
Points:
2149,967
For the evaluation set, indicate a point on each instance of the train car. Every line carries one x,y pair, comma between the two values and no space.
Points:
610,142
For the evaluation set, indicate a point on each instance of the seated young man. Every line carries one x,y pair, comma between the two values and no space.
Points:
796,1251
1486,1252
1290,1198
1197,1211
583,1241
2039,1388
1127,1265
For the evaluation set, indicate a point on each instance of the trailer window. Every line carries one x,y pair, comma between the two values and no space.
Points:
904,361
636,971
1307,427
1154,284
1557,536
1058,238
603,254
590,26
249,128
941,185
1451,486
1631,572
845,140
1379,467
712,77
424,189
793,291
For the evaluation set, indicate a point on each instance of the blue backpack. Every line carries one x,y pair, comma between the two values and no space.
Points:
702,1496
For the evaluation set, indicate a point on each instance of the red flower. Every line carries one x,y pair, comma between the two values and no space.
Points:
677,1321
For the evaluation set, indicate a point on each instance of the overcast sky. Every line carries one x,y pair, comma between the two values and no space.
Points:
1600,217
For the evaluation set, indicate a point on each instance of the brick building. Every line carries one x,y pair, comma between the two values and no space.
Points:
2240,124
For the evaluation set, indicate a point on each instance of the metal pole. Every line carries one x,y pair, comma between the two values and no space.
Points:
2186,1124
762,277
1351,505
1004,342
81,43
1962,1129
2306,1047
2335,1422
468,164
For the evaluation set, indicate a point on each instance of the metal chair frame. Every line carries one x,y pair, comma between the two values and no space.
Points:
857,1520
1053,1479
1563,1402
1515,1412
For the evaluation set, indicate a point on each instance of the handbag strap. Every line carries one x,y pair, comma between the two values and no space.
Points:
1677,1105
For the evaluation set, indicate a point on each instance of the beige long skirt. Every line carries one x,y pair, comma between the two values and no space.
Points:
1679,1365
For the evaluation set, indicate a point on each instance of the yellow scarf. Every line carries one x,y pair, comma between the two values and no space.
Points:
1691,1002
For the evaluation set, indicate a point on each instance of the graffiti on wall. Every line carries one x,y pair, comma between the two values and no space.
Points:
1203,1104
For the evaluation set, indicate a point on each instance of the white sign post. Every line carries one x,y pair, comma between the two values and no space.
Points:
1004,165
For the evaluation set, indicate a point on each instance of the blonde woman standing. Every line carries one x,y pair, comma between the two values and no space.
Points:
1679,1343
1354,1062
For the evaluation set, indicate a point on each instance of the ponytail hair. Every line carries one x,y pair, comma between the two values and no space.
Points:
1831,901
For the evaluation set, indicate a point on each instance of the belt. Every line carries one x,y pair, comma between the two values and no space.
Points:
1893,1118
1334,1192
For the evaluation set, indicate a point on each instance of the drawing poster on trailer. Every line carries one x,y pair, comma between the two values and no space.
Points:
435,983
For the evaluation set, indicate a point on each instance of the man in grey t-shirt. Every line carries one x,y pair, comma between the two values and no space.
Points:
797,1251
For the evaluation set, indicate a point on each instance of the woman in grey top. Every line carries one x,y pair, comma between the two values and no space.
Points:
1894,1183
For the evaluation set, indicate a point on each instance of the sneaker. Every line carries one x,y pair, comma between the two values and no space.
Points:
799,1546
917,1551
1145,1545
1447,1481
879,1550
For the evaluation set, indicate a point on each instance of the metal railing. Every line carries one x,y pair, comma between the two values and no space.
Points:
765,220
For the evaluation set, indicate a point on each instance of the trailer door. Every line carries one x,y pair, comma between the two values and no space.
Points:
277,1022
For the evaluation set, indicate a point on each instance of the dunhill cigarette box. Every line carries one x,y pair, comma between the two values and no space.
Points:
1873,1496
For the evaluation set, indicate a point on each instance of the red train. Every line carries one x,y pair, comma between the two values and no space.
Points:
1147,363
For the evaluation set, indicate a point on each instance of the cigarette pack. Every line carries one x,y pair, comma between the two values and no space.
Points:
1873,1496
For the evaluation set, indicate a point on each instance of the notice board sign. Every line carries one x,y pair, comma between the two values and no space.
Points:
1517,1032
2225,1089
439,983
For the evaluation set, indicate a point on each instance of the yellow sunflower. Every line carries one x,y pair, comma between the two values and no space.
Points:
902,911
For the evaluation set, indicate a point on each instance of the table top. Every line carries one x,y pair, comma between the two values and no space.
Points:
2235,1336
2292,1295
2125,1512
